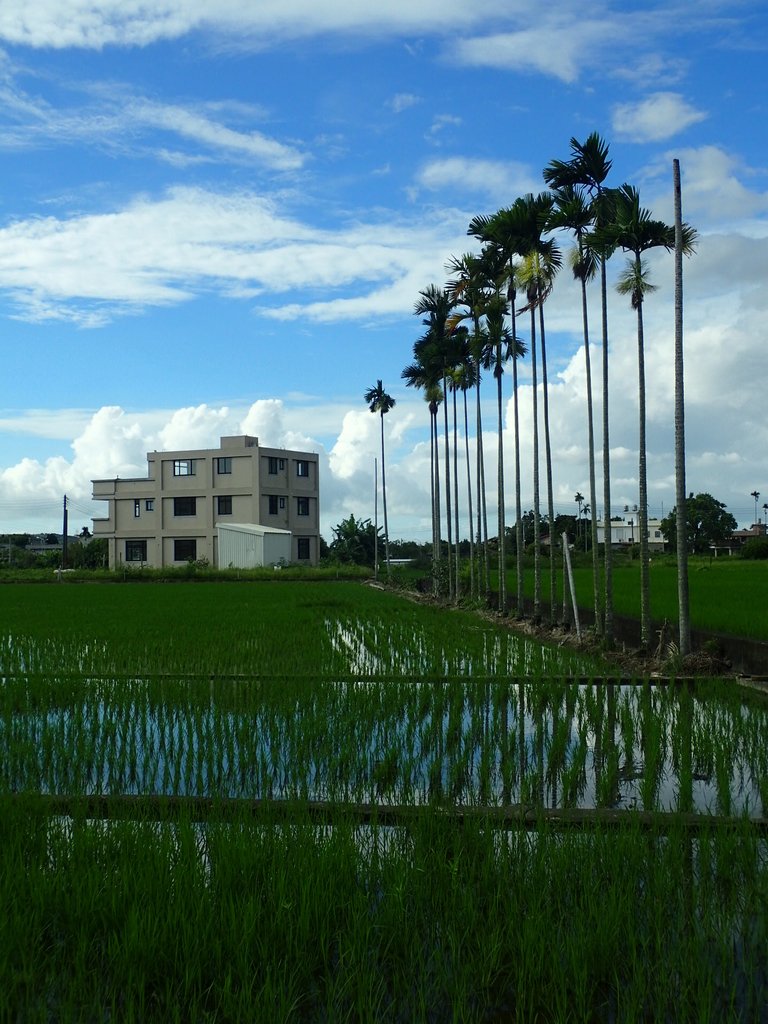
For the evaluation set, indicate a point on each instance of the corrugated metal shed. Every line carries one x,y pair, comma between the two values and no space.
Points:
250,546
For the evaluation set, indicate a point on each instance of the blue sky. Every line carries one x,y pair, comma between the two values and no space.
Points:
216,216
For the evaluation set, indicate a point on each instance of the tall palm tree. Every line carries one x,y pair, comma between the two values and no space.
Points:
574,211
422,375
501,343
377,400
541,261
434,305
636,232
502,234
589,167
579,499
456,380
684,611
470,288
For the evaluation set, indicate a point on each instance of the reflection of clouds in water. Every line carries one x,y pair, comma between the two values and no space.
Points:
472,741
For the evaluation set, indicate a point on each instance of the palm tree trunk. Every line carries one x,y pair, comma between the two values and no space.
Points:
645,592
483,574
448,485
456,496
384,495
436,538
680,489
472,579
536,497
607,532
519,540
548,463
500,486
591,453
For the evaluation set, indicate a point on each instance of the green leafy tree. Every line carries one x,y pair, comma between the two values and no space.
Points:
708,521
354,540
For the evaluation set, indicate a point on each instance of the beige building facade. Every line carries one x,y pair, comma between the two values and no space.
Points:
172,516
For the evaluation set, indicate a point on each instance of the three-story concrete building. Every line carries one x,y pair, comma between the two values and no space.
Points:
173,515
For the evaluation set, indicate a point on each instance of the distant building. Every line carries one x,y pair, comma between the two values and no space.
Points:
173,515
738,539
626,532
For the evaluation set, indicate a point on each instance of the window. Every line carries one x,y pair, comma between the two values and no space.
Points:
224,465
183,467
281,501
149,505
302,506
224,505
184,506
135,551
272,466
185,549
303,547
273,504
302,467
137,507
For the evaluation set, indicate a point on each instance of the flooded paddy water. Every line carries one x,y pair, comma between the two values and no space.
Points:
347,701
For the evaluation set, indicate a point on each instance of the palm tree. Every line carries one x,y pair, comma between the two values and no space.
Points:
471,287
377,400
683,603
502,234
434,305
457,378
589,167
635,231
541,261
573,211
501,343
420,374
579,499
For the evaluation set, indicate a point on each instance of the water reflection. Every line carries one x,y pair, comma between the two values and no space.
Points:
487,742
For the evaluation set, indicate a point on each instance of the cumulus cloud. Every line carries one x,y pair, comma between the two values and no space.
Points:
659,116
718,189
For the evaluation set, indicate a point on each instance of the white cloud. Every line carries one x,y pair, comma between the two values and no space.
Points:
91,268
441,122
192,125
498,179
402,101
659,116
94,24
558,44
715,188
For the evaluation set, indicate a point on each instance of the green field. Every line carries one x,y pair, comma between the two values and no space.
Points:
727,595
286,802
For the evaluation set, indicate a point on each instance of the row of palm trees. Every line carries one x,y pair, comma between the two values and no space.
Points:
470,329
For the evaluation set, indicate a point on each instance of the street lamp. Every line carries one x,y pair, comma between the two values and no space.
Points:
755,495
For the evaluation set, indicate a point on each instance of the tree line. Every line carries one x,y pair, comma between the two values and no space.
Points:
472,332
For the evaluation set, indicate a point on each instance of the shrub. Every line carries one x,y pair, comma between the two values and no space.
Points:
755,548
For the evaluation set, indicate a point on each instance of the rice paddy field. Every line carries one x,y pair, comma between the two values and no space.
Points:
727,595
325,802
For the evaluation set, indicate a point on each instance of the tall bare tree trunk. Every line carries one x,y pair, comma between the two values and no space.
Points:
680,488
